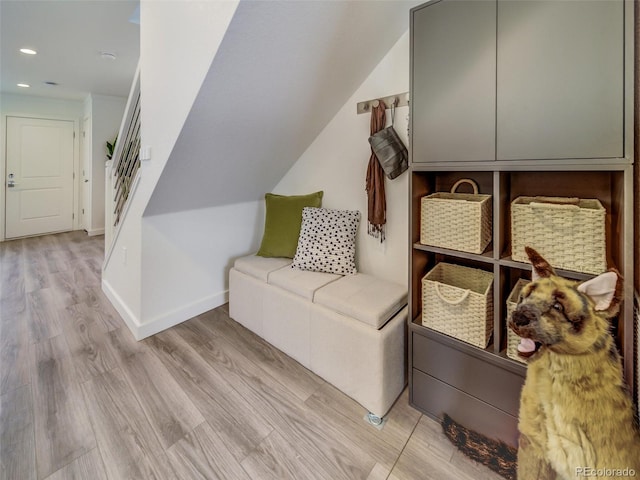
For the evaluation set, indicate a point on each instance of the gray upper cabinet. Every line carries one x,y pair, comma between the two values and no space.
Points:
454,79
517,80
560,90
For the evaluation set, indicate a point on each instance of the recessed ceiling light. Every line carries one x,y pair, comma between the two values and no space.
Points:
28,51
108,55
24,85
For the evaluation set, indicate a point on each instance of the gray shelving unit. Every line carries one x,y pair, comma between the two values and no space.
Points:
480,388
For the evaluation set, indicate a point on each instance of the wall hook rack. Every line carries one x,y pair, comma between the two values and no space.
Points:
401,99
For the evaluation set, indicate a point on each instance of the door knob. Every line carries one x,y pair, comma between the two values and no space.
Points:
86,181
11,183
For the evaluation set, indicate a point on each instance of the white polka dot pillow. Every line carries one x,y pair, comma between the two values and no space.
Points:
327,241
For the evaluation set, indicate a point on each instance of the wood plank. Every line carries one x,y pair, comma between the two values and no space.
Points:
326,448
93,269
14,334
379,473
43,314
88,342
11,270
347,415
12,305
472,468
300,381
423,458
169,410
85,272
428,455
127,442
36,276
198,330
203,454
67,289
88,466
277,459
17,454
55,260
14,351
101,310
228,412
11,250
62,428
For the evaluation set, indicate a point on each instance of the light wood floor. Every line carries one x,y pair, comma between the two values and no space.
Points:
207,399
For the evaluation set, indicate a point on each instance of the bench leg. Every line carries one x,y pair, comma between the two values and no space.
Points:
374,419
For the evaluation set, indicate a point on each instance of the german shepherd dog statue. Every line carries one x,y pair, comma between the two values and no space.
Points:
576,415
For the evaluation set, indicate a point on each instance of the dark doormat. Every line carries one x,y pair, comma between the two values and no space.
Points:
495,454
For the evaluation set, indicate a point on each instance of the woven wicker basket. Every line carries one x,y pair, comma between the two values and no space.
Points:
512,339
458,301
567,232
459,221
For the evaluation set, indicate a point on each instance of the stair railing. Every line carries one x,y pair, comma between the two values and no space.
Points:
123,176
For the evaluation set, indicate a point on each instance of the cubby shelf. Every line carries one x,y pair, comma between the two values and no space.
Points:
505,261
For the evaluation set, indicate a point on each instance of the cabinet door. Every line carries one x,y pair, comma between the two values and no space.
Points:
560,79
453,81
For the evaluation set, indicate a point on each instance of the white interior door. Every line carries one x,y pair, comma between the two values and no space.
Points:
39,193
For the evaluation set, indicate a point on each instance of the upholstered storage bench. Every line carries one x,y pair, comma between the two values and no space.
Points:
349,330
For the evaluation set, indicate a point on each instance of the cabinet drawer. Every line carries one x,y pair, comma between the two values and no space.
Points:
483,380
436,398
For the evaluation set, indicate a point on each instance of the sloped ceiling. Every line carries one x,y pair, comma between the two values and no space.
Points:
282,72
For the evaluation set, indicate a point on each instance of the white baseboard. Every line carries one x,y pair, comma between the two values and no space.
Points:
127,315
164,321
182,314
95,231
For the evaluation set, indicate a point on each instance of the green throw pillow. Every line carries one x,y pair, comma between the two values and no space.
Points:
282,223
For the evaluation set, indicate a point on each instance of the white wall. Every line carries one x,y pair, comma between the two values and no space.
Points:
106,116
39,107
187,257
28,104
337,160
177,43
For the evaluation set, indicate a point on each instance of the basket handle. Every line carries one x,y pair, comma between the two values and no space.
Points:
557,206
465,180
451,302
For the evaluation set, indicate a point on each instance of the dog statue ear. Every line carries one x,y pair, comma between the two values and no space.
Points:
602,290
541,268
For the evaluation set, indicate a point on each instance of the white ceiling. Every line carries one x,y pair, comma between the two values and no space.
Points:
69,36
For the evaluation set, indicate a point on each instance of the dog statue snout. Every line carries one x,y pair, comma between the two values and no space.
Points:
524,315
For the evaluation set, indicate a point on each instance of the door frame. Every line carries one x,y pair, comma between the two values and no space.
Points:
76,163
85,171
